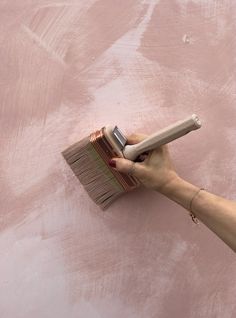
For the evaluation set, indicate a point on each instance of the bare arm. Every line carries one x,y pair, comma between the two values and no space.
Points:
157,172
217,213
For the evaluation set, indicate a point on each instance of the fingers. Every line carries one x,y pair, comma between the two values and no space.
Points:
136,138
128,167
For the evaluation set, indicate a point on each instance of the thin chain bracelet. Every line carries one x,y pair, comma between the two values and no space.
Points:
195,220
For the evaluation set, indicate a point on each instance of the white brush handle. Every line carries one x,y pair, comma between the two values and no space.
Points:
162,137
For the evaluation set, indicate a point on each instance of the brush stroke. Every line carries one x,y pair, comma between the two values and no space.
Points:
71,67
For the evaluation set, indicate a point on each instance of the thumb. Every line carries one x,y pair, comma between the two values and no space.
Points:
127,166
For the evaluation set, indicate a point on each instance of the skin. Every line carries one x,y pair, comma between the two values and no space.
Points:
156,171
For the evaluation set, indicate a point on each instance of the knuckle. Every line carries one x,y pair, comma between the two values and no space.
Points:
140,170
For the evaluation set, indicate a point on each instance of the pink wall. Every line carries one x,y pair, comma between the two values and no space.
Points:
69,67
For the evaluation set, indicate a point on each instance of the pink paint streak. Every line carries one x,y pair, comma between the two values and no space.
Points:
67,68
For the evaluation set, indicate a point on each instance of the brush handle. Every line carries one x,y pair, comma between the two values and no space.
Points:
162,137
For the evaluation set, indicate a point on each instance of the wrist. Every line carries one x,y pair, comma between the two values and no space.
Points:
180,191
170,187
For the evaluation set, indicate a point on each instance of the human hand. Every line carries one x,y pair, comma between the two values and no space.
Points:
154,169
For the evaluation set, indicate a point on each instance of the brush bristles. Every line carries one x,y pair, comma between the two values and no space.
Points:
93,173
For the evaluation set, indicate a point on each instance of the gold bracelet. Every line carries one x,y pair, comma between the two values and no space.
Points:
195,220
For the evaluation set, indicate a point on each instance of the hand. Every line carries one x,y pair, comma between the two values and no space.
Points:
155,171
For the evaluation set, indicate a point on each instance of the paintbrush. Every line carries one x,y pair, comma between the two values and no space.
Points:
89,158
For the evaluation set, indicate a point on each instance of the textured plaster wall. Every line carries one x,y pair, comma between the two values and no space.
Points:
68,68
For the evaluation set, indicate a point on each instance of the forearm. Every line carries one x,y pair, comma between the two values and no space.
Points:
217,213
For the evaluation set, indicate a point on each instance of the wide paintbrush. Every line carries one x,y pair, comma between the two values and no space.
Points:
89,158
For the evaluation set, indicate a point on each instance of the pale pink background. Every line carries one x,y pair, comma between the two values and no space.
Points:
68,68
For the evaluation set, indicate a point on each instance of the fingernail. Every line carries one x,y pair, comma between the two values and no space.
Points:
112,163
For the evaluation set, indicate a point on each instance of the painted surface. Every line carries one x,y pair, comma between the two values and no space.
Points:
69,67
